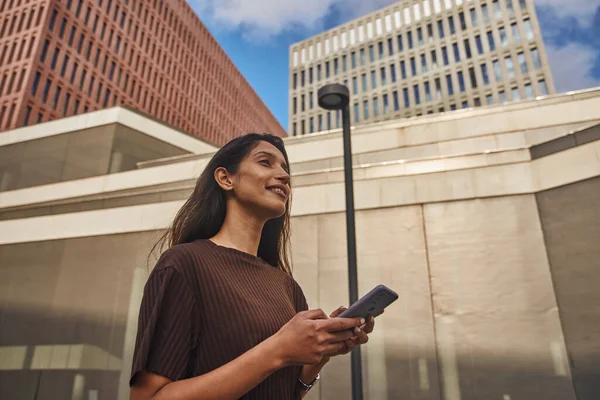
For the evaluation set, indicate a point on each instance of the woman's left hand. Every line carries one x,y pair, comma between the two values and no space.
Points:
361,334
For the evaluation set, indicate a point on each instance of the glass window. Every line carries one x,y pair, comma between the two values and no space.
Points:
502,96
528,29
413,66
433,59
356,115
523,5
515,94
36,82
375,107
510,68
490,99
327,69
424,63
294,105
430,32
366,109
462,20
400,43
344,63
65,64
536,58
386,106
484,74
54,59
452,107
427,92
311,125
373,80
390,47
417,94
543,87
528,91
490,37
456,52
441,28
353,59
515,32
445,55
380,48
396,103
467,48
465,104
449,84
473,78
451,25
44,50
354,85
509,7
302,103
497,9
66,104
302,78
438,88
410,40
364,82
295,80
497,70
406,98
320,123
479,44
420,35
485,12
473,16
383,80
403,69
371,53
56,97
522,62
319,72
311,100
503,38
335,66
461,81
52,20
362,57
393,72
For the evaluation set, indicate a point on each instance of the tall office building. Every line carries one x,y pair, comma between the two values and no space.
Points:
64,57
421,57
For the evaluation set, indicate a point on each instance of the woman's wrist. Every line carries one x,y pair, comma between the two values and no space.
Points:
310,371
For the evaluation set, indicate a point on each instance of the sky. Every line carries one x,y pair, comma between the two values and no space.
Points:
257,34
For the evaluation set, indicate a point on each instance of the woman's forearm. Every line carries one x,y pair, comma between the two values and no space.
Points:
309,372
232,380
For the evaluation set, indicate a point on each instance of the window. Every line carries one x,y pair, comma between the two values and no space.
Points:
54,59
390,47
543,87
365,109
52,20
396,103
420,35
434,59
354,85
380,48
311,125
36,82
451,25
319,72
373,80
44,50
364,82
485,12
503,38
386,106
473,16
82,80
424,63
528,29
427,92
413,66
515,94
403,69
515,33
400,43
72,36
536,58
452,107
383,80
371,53
522,62
523,5
56,97
497,9
473,78
461,81
63,26
63,70
438,88
449,84
510,68
467,48
441,28
302,103
335,66
489,99
320,123
27,114
509,7
456,52
327,69
356,114
430,32
463,22
479,44
311,104
497,70
66,104
410,40
375,107
344,65
445,55
406,98
465,104
393,72
528,91
484,74
362,57
294,105
301,78
490,37
76,108
417,94
353,57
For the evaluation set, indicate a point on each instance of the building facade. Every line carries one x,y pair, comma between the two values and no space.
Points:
65,57
421,57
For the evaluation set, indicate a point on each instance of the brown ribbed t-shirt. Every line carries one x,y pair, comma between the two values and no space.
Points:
205,305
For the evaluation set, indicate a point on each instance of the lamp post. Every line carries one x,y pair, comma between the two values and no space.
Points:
337,97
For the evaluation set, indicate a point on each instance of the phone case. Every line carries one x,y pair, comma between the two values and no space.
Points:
371,303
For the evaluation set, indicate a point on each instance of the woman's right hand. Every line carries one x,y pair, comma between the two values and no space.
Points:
311,334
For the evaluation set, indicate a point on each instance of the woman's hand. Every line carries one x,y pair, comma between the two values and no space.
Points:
311,335
360,334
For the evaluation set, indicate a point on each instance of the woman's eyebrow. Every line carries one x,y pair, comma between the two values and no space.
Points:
271,155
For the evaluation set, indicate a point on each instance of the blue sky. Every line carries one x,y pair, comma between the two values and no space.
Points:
257,34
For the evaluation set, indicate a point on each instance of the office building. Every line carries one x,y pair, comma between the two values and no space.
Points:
421,57
63,58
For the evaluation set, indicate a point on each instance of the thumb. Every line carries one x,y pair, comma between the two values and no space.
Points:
314,314
337,312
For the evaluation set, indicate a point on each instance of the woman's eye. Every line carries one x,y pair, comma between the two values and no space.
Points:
266,162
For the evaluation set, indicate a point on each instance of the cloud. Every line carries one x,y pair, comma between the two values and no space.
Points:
576,73
582,10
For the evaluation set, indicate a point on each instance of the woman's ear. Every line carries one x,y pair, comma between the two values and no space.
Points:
223,179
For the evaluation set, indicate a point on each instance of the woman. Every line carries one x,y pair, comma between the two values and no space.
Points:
221,316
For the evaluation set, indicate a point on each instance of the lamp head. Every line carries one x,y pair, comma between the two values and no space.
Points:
333,96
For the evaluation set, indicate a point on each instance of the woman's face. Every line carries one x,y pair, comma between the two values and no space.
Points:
262,182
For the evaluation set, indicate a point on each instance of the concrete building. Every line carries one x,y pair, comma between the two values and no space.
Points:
485,221
421,57
63,58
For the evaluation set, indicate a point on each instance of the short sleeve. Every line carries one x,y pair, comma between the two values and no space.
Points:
299,298
165,335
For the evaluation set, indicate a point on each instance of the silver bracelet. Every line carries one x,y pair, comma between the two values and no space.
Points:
306,387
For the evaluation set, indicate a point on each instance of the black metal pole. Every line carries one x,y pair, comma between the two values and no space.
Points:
357,391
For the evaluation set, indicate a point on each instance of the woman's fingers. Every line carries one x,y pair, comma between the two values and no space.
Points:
368,327
337,312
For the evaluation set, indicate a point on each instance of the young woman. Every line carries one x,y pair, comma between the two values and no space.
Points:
222,317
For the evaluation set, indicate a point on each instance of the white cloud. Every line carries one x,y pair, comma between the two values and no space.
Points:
571,67
582,10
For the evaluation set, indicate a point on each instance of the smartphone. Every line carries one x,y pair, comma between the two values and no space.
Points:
372,303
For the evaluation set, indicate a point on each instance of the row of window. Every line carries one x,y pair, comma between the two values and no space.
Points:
16,51
371,109
380,78
477,14
12,24
457,47
12,81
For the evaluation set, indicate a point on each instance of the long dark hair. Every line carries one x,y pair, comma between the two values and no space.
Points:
203,213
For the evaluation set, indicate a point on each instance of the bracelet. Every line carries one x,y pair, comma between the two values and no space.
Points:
306,387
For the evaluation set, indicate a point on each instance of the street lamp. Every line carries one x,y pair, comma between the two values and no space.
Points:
337,97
